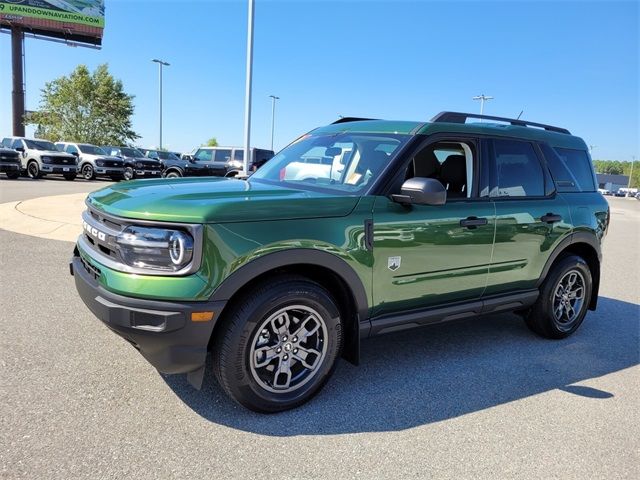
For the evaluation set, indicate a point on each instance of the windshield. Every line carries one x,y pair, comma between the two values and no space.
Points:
164,155
345,162
40,145
91,149
131,152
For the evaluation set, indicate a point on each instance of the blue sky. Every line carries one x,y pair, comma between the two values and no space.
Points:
570,63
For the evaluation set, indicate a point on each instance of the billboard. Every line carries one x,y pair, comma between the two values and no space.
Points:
75,20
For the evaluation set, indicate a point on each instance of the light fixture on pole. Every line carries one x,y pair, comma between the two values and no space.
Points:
161,64
483,98
247,91
273,116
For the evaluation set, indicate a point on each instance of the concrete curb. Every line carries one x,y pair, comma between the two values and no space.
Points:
55,217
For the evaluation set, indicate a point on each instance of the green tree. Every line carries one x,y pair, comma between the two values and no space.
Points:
212,142
85,107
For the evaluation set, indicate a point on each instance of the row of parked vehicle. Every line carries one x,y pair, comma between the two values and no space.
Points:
37,158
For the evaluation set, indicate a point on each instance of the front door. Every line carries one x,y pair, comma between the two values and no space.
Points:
428,255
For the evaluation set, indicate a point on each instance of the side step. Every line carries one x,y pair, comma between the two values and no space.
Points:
413,319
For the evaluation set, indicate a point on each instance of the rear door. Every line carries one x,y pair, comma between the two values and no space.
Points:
531,219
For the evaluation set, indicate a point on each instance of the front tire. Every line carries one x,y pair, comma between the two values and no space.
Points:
129,174
33,170
564,299
87,172
172,174
279,345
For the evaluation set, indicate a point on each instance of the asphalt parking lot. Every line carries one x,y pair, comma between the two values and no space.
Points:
483,398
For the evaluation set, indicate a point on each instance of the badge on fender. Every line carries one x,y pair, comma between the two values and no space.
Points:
394,263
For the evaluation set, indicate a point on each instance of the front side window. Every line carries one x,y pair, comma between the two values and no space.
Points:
204,155
71,149
222,156
516,170
345,162
448,161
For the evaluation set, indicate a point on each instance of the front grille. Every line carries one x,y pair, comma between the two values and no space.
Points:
112,163
62,161
151,166
9,158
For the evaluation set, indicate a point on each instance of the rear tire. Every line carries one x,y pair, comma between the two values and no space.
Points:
278,345
564,299
33,170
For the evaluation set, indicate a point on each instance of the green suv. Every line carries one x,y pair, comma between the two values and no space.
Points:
356,229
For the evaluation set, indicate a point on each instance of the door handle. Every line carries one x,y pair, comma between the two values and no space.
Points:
473,222
551,218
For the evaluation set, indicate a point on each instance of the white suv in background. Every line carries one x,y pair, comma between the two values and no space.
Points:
94,161
41,157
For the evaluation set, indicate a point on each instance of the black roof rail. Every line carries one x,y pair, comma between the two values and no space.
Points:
458,117
351,119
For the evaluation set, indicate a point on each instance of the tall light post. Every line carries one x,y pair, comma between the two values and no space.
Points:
633,160
273,116
483,98
247,91
160,65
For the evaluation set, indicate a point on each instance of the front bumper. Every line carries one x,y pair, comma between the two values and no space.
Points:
9,167
148,173
49,168
110,171
163,332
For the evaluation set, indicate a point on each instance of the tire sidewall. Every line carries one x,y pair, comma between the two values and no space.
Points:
563,267
128,173
33,165
86,169
243,385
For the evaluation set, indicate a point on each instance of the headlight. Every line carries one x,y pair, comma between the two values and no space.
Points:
138,164
155,248
45,159
100,163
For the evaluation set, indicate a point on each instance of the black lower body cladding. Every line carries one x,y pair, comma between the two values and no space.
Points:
163,332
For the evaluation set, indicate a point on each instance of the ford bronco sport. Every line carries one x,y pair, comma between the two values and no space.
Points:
356,229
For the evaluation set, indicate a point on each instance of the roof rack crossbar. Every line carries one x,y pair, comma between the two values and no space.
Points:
458,117
350,119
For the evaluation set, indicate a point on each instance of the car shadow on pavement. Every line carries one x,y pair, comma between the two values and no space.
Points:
436,373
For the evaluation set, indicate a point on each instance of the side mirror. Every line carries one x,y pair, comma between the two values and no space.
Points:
75,154
20,149
421,191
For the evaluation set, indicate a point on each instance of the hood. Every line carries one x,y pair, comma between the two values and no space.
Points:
57,153
89,156
216,200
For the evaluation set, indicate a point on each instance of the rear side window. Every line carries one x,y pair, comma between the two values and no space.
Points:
579,164
516,170
222,156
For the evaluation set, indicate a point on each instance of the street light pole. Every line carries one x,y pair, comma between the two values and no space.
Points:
160,65
273,116
247,92
483,98
633,160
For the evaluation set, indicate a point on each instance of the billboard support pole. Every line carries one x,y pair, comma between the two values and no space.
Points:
17,95
247,93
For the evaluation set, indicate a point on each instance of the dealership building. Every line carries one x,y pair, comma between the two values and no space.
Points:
611,182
